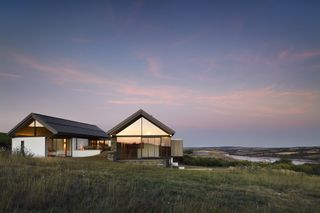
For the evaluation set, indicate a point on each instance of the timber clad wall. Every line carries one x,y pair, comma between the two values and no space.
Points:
176,148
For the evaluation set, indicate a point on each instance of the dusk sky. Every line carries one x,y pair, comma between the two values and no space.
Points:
220,73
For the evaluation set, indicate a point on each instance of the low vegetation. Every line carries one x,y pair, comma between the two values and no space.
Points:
310,153
97,185
5,141
313,169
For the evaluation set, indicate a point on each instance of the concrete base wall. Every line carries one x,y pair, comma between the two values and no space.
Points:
85,153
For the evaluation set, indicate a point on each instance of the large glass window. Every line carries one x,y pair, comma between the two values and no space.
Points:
129,140
133,129
142,127
81,143
149,128
143,139
33,128
143,147
59,147
150,147
35,124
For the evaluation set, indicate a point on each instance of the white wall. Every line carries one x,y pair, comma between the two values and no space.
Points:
85,153
82,153
37,147
33,145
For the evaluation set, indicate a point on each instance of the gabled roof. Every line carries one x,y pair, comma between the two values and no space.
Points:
62,127
140,113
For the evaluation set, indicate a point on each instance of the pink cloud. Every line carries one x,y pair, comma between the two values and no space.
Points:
64,73
153,66
141,102
137,6
189,38
9,76
261,102
81,40
237,23
295,55
248,58
61,75
266,102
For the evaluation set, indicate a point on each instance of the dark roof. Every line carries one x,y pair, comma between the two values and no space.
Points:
140,113
62,127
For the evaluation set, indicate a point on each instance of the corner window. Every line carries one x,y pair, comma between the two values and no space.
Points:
82,144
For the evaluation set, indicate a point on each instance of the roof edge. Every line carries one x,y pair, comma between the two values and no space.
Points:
140,113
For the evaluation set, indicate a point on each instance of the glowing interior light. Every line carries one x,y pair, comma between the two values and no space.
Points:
35,123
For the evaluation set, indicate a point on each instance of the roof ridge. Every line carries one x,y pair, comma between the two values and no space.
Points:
126,122
62,126
38,114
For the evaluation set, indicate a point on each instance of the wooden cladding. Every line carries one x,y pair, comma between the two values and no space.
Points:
176,148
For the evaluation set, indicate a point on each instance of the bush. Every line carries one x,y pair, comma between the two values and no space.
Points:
311,169
212,162
25,152
5,141
188,151
283,161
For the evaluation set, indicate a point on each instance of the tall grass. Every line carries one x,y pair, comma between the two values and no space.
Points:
96,185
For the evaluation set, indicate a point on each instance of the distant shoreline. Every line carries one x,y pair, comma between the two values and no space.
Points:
311,154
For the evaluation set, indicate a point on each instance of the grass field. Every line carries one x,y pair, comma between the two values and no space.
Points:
96,185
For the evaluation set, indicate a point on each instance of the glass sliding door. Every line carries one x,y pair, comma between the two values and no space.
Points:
68,147
150,147
128,147
59,147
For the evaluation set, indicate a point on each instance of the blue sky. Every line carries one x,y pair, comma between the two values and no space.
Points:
243,73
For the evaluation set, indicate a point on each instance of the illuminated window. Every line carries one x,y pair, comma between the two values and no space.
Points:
149,128
81,143
35,123
129,140
143,126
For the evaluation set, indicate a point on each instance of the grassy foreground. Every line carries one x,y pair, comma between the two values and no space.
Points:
96,185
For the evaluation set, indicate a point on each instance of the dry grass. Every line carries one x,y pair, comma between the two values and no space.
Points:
96,185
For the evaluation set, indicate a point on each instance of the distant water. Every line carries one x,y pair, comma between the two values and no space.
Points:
268,159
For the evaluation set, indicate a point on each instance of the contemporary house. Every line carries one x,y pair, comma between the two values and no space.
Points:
142,136
44,136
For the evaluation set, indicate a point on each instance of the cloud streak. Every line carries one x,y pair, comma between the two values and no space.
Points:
63,74
9,76
260,102
299,55
264,102
153,66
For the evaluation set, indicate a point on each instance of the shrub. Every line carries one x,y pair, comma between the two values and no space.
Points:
212,162
26,152
283,161
312,169
5,141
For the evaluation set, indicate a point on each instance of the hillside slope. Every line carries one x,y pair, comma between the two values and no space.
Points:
96,185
